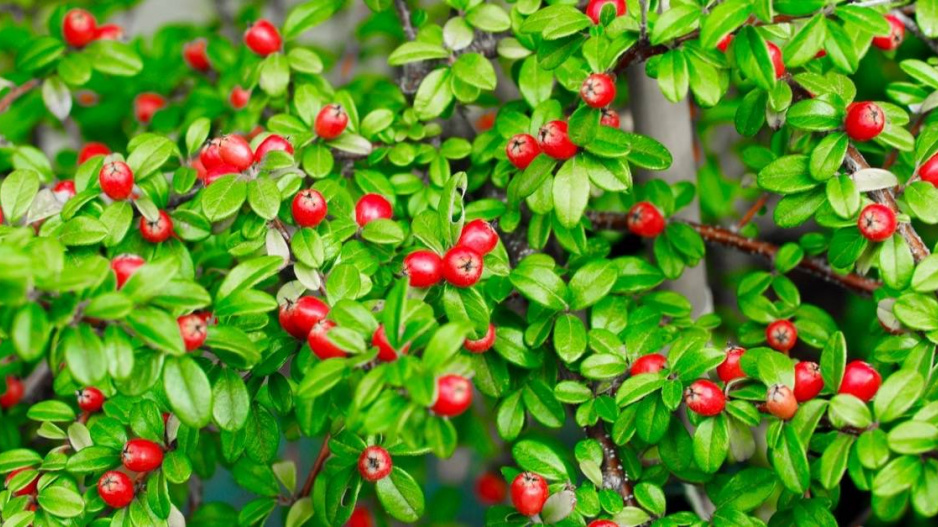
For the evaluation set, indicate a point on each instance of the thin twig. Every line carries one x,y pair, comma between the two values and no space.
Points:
16,93
316,469
751,213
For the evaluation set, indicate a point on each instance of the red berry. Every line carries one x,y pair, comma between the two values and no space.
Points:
491,488
423,268
595,7
877,222
555,142
777,61
309,208
210,155
78,28
929,170
894,38
263,38
865,120
141,455
116,489
236,151
483,344
781,402
157,231
454,395
521,150
331,121
374,463
216,172
147,104
109,32
13,393
610,118
360,517
30,487
528,493
820,54
193,329
808,381
598,90
272,143
116,180
485,122
781,335
65,189
386,353
725,42
90,399
705,398
644,219
195,54
319,343
298,318
462,266
651,363
92,149
124,266
729,369
239,97
479,236
860,380
603,523
372,207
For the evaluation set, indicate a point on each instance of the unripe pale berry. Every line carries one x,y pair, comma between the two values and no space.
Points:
309,208
423,268
64,189
386,353
651,363
116,180
124,266
236,151
528,493
729,369
92,149
157,231
894,38
860,380
610,118
462,267
141,455
147,104
598,90
194,330
521,150
90,399
374,463
272,143
482,344
864,121
491,488
116,489
331,121
479,236
318,340
929,170
877,222
13,393
725,42
705,398
781,402
28,489
781,335
454,395
195,53
109,32
777,61
644,219
239,97
78,28
555,141
298,318
595,7
263,38
808,381
372,207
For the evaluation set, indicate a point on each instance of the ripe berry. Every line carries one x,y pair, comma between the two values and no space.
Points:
521,150
272,143
491,488
598,90
610,118
462,266
528,493
555,142
860,380
929,170
821,53
210,155
216,172
781,335
781,402
360,517
116,489
64,189
27,490
236,151
725,42
13,393
331,121
705,398
808,381
263,38
644,219
864,121
116,180
651,363
298,318
374,463
319,343
877,222
309,208
195,54
141,455
777,61
147,104
894,38
90,399
454,395
372,207
729,369
595,7
92,149
603,523
239,97
124,266
109,32
483,344
194,330
423,268
157,231
479,236
386,353
78,28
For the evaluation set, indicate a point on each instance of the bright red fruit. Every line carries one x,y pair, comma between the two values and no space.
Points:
372,207
462,266
528,493
864,121
273,142
929,170
374,463
483,344
210,155
109,32
781,335
877,222
360,517
124,266
194,330
141,455
729,369
595,7
331,121
894,38
705,398
92,149
808,381
309,208
777,61
781,402
603,523
147,104
644,219
30,487
90,399
598,90
651,363
116,180
479,236
298,318
157,231
13,393
239,97
610,118
318,340
195,53
554,140
725,42
116,489
491,488
65,189
423,268
212,174
454,395
386,353
236,151
78,28
521,150
860,380
263,38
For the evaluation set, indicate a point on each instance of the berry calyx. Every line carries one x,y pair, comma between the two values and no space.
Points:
210,155
272,143
109,32
12,395
724,43
263,38
423,268
479,236
929,170
877,222
78,28
141,455
454,395
705,398
116,180
860,380
331,121
116,489
610,118
651,363
372,207
90,399
157,231
194,330
521,150
595,8
64,189
864,121
239,97
462,266
729,369
386,353
319,343
645,220
374,463
528,493
808,381
195,53
482,344
491,488
124,266
555,142
894,38
598,90
778,63
298,318
781,335
781,402
26,490
146,105
309,208
92,149
236,151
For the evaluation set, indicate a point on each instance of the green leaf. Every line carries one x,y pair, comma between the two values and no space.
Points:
114,58
401,496
416,51
17,193
149,153
488,17
475,70
434,94
674,22
724,18
790,461
711,442
223,197
307,15
570,193
188,390
541,285
786,175
61,501
542,458
55,411
752,55
900,391
231,401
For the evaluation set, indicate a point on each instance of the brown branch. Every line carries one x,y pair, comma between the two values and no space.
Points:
36,383
316,469
17,92
614,477
413,72
751,213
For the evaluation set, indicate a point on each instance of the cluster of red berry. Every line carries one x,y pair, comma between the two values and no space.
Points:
80,28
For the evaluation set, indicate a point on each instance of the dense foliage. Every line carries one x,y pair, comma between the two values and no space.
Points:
245,241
